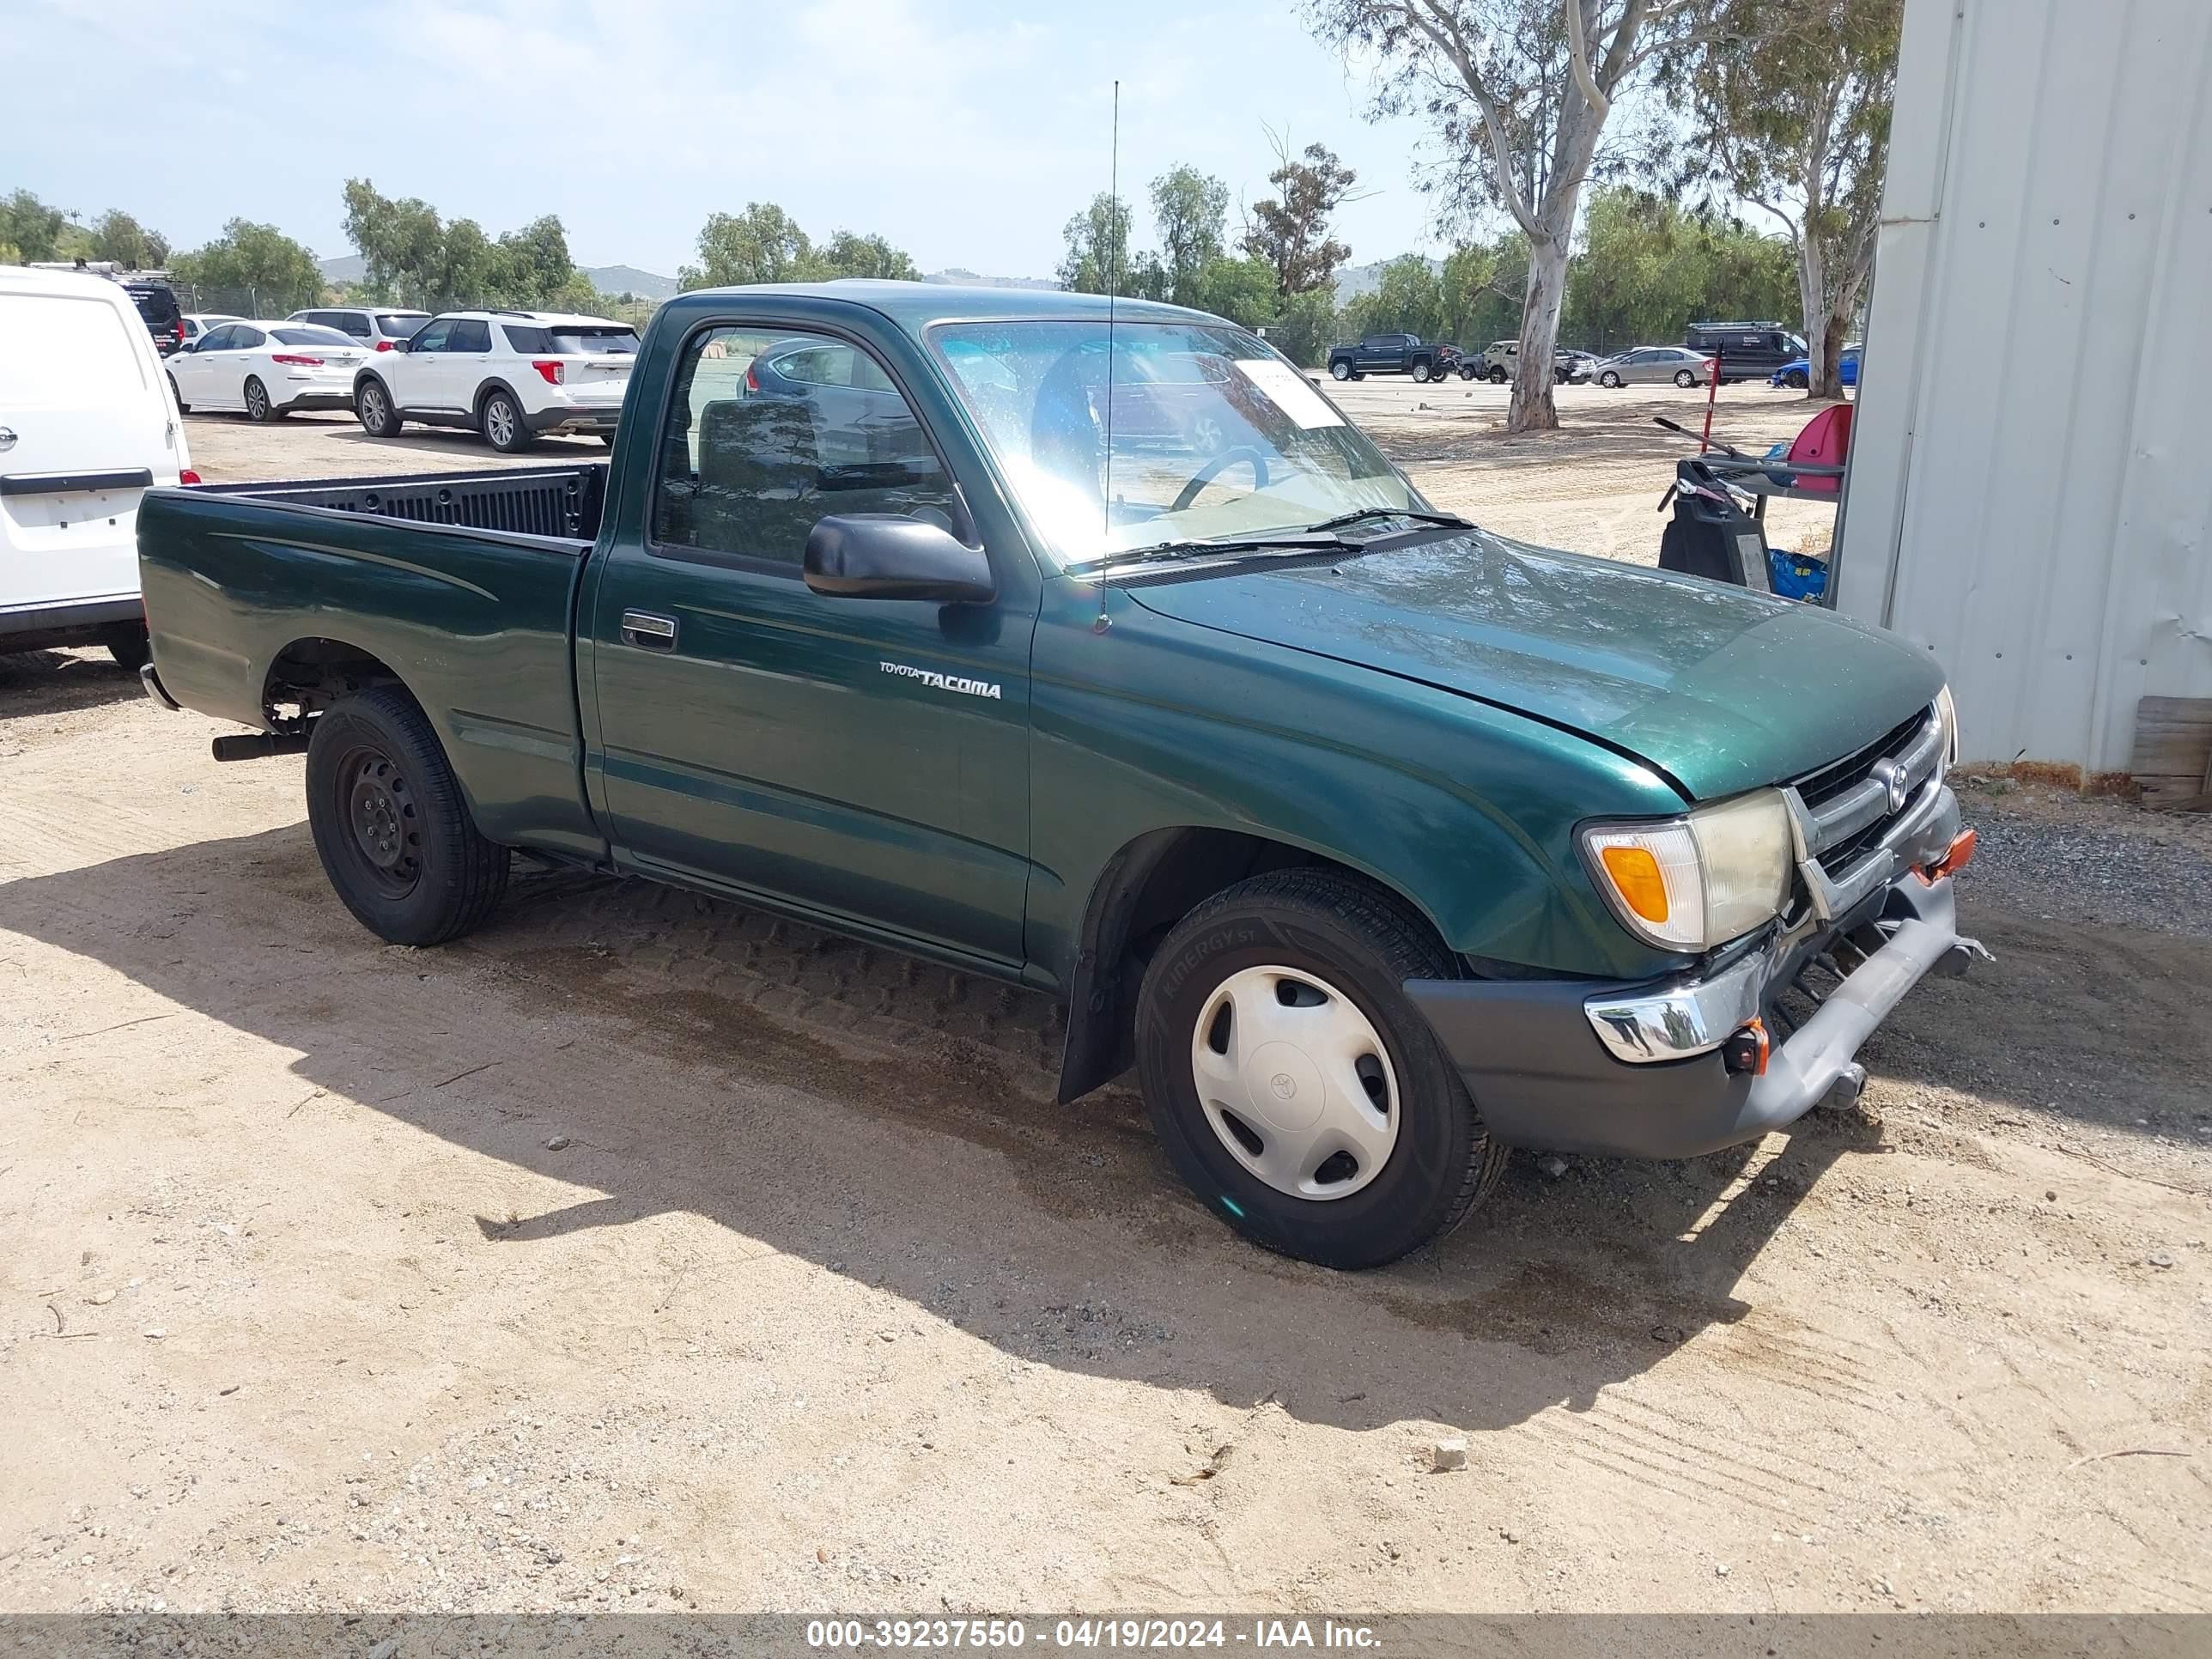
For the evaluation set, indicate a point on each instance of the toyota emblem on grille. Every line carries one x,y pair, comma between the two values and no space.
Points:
1891,776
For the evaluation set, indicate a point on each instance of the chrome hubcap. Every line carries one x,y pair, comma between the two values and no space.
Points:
1296,1081
257,401
372,406
499,419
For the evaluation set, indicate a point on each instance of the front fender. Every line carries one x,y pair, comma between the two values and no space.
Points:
1466,810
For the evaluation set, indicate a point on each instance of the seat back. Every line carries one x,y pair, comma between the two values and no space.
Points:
759,476
1826,441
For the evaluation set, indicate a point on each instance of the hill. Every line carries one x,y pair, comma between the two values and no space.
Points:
608,279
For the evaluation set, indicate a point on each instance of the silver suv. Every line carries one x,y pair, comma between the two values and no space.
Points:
378,327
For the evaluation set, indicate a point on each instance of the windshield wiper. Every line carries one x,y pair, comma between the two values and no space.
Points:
1363,515
1174,552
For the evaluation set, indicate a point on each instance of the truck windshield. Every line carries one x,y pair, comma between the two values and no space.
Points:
1213,434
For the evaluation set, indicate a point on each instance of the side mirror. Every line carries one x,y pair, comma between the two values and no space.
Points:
402,345
887,556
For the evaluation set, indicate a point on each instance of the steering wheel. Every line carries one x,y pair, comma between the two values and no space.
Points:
1213,469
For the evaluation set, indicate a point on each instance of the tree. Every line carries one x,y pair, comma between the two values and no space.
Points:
1520,90
1243,290
1191,210
1290,231
1304,329
763,244
1097,247
30,227
116,236
851,254
402,243
277,272
1792,105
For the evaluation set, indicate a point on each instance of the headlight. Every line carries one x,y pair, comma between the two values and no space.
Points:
1691,883
1947,711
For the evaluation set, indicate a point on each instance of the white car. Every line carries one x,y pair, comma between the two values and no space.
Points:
266,369
86,426
379,328
198,323
512,375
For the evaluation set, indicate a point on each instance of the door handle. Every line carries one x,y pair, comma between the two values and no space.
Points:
644,627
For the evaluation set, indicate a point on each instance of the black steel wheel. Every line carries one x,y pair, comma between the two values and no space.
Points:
389,822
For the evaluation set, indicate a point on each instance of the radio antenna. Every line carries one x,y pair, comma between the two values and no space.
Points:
1112,285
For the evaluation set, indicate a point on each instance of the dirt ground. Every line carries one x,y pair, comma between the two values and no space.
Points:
641,1251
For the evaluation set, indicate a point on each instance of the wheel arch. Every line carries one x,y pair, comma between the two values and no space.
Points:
313,671
1148,885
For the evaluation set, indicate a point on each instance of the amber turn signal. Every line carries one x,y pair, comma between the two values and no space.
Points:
1636,878
1956,857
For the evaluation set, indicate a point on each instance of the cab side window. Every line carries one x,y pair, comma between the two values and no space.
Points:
769,431
432,339
469,334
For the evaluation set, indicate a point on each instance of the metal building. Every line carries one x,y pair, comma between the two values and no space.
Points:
2030,486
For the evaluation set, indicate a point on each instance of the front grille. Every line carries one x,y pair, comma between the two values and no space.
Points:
1847,803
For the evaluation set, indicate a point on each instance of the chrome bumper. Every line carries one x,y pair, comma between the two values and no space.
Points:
1695,1015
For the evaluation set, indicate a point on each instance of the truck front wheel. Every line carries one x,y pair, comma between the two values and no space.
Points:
390,826
1292,1084
1340,369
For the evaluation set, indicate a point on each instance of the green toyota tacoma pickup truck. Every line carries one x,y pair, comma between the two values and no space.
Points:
1096,651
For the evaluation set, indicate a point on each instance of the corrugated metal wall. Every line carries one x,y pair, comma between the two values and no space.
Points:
2030,489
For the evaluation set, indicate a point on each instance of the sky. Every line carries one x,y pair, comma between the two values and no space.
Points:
966,132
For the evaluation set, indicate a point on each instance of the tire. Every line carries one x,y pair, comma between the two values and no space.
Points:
1339,370
1344,948
499,418
128,644
1610,379
393,833
1467,373
1685,379
183,408
1498,377
1795,380
373,408
1421,372
257,401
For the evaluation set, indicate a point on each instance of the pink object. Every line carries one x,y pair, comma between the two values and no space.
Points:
1826,441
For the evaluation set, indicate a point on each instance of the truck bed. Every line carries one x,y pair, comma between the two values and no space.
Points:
560,501
463,585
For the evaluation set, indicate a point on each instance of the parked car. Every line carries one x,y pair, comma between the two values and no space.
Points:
1396,354
1377,844
1798,372
1746,351
86,425
379,328
1497,359
512,375
266,370
1654,366
156,304
198,323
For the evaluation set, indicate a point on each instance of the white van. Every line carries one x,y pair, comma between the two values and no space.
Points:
87,425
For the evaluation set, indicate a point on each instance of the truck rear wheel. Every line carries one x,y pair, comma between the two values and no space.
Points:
390,826
1292,1084
1421,371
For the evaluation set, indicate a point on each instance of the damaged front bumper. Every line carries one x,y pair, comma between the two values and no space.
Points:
1682,1066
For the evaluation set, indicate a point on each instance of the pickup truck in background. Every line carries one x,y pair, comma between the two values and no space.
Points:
1397,354
1377,844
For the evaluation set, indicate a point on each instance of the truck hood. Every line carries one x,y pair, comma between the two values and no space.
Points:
1719,689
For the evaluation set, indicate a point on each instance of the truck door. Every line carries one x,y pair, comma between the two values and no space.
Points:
865,758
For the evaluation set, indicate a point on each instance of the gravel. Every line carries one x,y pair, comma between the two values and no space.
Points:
2059,857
